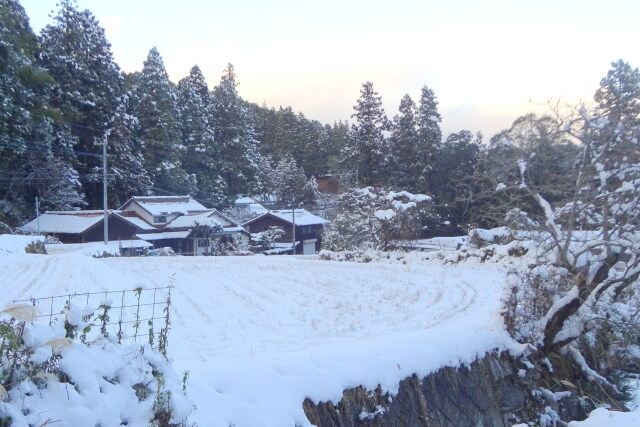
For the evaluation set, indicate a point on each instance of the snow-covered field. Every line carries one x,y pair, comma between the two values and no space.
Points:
260,334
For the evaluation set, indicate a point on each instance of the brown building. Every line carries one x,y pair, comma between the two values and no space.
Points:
307,225
328,184
83,226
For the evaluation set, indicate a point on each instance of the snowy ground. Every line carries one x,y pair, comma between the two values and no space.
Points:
260,334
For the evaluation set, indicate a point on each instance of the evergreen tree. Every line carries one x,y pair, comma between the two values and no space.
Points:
201,156
311,149
239,157
618,96
367,151
126,157
618,102
64,192
155,107
285,134
290,182
266,178
312,195
429,133
75,51
454,166
336,143
29,139
406,169
262,119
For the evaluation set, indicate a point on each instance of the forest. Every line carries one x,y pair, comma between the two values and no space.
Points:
64,97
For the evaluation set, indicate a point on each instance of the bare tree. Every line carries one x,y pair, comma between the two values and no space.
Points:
596,235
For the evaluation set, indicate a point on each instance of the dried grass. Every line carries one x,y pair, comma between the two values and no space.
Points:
59,344
22,313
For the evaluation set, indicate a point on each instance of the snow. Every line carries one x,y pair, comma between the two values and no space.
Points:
237,229
104,375
97,248
260,334
371,415
302,217
138,222
492,234
602,417
165,235
434,244
188,221
11,244
64,222
384,214
167,205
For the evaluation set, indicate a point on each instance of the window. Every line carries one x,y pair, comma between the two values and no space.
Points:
307,229
159,219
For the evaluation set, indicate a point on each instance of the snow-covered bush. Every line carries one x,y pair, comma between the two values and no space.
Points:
264,240
48,378
374,218
479,237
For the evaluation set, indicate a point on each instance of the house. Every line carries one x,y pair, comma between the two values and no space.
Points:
308,228
84,226
199,233
184,224
161,210
88,226
179,222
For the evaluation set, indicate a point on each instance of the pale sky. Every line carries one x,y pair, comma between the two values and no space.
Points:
487,61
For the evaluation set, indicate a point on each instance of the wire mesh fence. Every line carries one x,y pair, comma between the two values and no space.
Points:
127,316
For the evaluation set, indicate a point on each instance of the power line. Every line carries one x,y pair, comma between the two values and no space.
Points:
46,149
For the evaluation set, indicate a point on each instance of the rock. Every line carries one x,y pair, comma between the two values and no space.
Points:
489,393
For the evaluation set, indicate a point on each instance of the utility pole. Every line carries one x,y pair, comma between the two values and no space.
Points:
293,215
38,213
104,188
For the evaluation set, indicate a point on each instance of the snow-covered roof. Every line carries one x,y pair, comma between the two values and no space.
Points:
188,221
254,206
166,205
64,222
302,217
257,208
237,229
165,235
137,222
244,201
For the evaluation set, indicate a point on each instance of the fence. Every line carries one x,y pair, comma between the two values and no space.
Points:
128,316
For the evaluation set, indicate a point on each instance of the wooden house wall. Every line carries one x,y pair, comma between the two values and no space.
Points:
118,230
262,224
